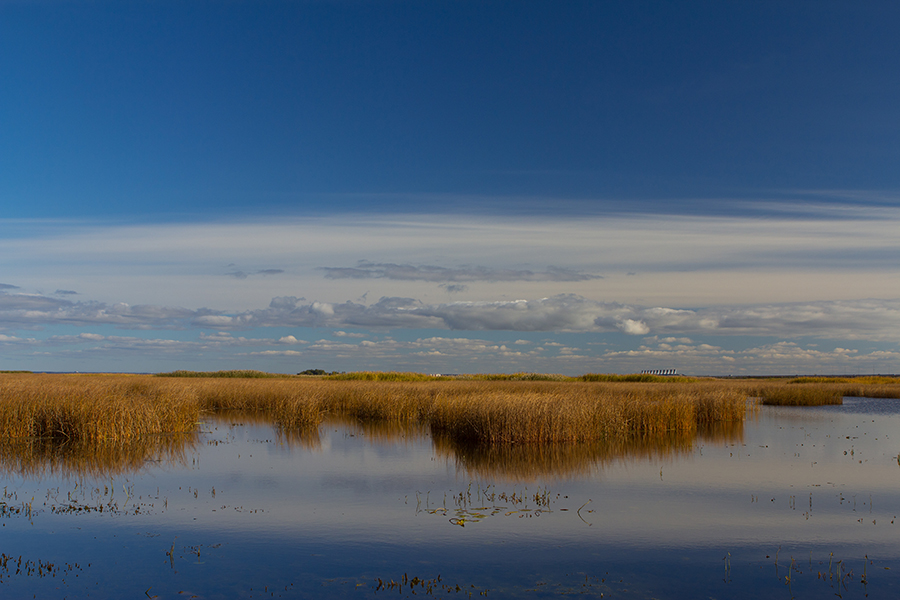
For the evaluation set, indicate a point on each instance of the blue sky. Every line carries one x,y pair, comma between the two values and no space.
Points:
450,186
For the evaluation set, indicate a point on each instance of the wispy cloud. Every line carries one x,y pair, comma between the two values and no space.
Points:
242,275
371,270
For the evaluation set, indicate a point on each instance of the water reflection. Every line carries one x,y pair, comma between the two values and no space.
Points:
39,457
526,462
348,509
304,438
36,458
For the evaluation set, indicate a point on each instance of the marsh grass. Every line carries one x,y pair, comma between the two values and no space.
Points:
76,411
516,377
290,403
237,374
801,395
634,378
382,376
124,407
93,408
819,391
519,412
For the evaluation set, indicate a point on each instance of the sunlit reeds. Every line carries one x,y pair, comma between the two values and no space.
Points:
801,395
93,408
290,403
819,391
73,411
580,412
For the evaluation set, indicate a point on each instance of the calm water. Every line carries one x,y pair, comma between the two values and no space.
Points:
788,506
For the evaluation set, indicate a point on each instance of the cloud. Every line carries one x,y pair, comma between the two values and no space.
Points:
454,288
860,319
632,327
350,335
370,270
65,293
7,286
870,319
783,357
237,274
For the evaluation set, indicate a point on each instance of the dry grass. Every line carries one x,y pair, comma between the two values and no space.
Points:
579,412
801,395
119,407
93,408
290,403
126,407
818,391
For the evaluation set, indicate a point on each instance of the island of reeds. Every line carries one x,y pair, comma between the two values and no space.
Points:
487,410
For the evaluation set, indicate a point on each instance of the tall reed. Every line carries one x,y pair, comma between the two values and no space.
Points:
93,408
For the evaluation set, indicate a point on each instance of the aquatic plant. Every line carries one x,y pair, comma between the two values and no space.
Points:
93,408
801,395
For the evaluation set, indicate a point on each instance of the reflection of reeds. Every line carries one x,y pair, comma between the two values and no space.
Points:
557,459
382,430
37,457
307,438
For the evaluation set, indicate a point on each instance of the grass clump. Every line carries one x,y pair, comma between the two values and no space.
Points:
93,408
290,403
801,395
579,412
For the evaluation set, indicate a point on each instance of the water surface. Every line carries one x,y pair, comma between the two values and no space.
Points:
788,505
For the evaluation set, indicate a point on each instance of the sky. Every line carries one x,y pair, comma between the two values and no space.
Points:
450,187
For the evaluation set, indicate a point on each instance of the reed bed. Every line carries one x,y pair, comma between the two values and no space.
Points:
290,403
486,411
93,408
580,412
801,395
819,391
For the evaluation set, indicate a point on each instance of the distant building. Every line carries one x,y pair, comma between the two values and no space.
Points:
659,372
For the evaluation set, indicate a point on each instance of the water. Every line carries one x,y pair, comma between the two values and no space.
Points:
790,505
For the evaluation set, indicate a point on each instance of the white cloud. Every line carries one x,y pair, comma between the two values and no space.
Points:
632,327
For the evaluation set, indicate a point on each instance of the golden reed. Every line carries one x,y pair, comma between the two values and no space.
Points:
125,407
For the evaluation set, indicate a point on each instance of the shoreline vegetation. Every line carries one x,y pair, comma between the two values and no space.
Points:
524,408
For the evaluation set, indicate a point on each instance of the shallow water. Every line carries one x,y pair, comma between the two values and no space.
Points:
788,506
